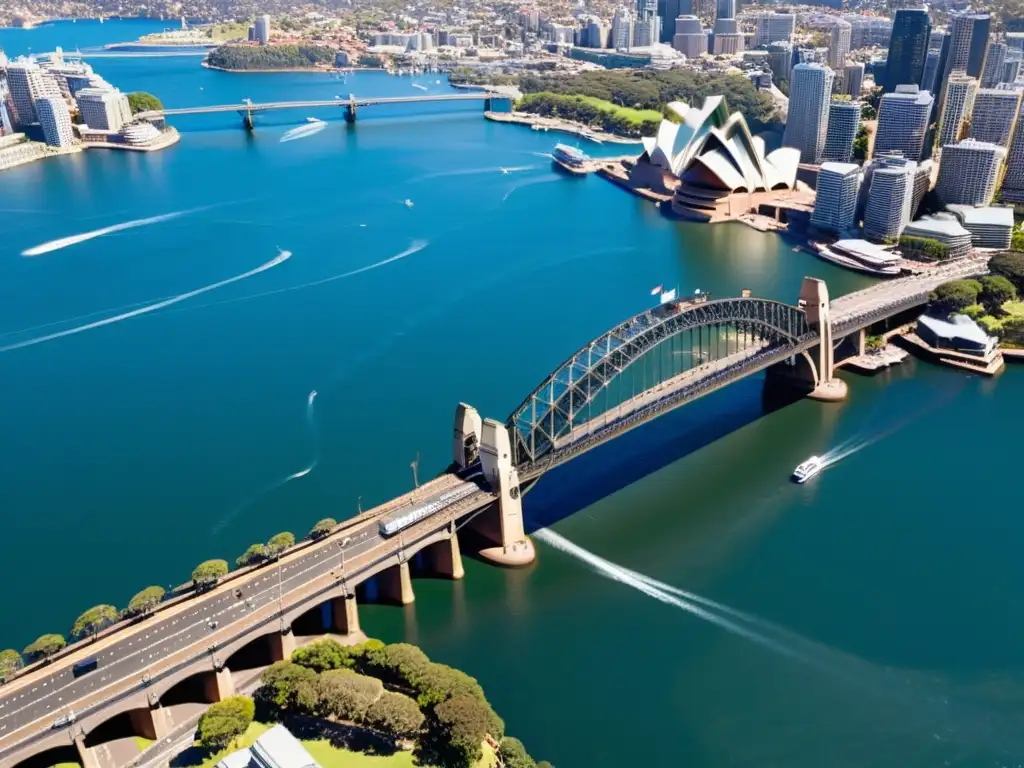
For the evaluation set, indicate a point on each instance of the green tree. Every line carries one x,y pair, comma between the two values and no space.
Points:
279,543
514,755
439,682
10,662
458,729
226,720
140,101
397,664
1012,331
143,602
954,295
270,57
347,695
44,647
256,553
860,143
1017,240
287,687
1011,266
207,573
544,764
93,620
396,715
996,290
324,655
323,528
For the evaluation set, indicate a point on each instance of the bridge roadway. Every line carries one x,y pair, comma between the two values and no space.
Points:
311,104
177,636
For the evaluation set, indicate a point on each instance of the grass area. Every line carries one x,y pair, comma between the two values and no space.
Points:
321,750
223,32
633,115
142,742
992,323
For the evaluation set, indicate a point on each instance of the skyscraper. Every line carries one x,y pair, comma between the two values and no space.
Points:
55,121
931,71
839,45
727,38
968,172
979,44
775,27
1013,182
262,29
835,207
908,48
807,122
104,110
960,92
843,122
889,199
690,38
992,74
668,12
853,79
903,122
622,29
25,81
994,115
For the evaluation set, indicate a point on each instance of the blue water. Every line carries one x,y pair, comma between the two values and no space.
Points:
136,449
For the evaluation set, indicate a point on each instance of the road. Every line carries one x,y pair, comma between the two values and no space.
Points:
128,655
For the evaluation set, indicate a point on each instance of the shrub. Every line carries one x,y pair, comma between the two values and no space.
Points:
10,662
439,682
397,664
207,573
1011,266
347,695
395,715
1012,331
226,720
44,647
514,755
144,601
140,101
322,528
322,655
975,311
996,290
279,543
256,553
287,687
954,296
93,620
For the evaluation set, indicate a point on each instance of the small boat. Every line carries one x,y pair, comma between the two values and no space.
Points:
408,203
808,469
437,82
505,171
313,120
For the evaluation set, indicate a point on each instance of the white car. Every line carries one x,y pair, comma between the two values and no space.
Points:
65,720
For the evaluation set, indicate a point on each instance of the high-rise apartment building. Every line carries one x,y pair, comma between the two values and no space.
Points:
889,198
843,122
969,172
780,59
931,71
261,29
960,93
994,115
868,31
55,120
690,38
908,48
839,45
622,29
903,118
668,12
1013,181
992,74
807,121
104,110
774,28
853,79
835,206
25,82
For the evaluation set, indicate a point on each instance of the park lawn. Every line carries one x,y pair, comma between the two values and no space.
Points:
1011,308
332,757
637,116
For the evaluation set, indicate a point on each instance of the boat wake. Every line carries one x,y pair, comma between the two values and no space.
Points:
530,183
473,172
65,242
302,132
279,259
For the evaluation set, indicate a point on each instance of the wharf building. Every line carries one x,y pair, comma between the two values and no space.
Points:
969,172
990,227
55,120
690,38
903,118
960,93
908,48
994,115
843,123
774,28
945,228
807,121
835,206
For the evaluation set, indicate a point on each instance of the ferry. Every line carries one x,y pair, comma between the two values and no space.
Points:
860,256
808,469
570,158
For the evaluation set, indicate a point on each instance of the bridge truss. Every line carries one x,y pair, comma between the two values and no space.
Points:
651,356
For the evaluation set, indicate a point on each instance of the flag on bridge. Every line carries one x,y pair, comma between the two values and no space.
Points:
656,290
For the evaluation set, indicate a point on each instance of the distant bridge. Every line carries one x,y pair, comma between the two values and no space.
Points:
156,674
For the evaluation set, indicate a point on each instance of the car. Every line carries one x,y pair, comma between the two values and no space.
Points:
65,720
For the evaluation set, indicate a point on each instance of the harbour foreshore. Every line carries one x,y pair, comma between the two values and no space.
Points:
558,125
324,70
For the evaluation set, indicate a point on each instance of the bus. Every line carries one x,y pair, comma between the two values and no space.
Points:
85,667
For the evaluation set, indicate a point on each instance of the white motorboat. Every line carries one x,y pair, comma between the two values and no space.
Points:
808,469
408,203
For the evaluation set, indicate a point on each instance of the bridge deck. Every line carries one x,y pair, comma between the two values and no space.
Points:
314,104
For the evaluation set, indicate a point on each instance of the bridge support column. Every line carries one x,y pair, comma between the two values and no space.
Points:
247,121
445,558
218,686
350,113
514,548
862,341
395,585
815,302
153,723
86,755
466,442
282,644
345,617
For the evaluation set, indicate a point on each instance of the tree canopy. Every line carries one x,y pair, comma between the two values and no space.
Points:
225,720
514,755
140,101
255,554
10,662
459,728
288,686
270,56
44,646
1011,266
996,290
347,695
324,655
279,543
207,573
322,528
954,295
144,601
396,715
93,620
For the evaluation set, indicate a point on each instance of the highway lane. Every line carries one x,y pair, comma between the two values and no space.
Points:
51,695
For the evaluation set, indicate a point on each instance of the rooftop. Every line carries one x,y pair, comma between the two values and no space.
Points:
864,248
944,224
840,168
957,327
993,215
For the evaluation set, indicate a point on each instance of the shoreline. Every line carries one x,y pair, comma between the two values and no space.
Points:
558,125
288,70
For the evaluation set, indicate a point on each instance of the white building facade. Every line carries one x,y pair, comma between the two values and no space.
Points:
835,206
969,172
807,122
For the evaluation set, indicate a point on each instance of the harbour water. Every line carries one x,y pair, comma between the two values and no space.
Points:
134,449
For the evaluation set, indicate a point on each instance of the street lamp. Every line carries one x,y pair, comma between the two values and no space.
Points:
341,546
415,466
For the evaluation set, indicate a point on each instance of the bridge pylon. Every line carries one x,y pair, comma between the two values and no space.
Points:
502,523
815,302
350,109
466,441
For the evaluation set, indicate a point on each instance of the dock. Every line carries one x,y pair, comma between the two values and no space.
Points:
873,362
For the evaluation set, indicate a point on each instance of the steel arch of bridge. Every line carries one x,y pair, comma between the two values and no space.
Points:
550,411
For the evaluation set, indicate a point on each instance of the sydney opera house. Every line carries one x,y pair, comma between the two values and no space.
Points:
711,163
